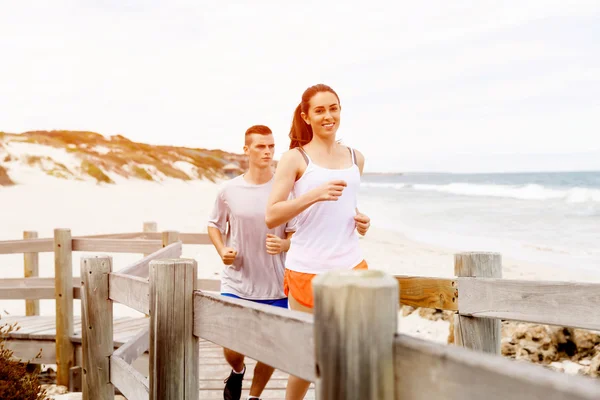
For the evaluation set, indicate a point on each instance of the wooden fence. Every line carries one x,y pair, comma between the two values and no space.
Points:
350,347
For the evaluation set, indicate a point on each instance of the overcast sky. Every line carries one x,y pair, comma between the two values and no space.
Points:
469,86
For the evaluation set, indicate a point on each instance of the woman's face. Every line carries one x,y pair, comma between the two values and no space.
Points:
323,114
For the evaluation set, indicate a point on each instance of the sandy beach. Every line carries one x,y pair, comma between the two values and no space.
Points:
43,204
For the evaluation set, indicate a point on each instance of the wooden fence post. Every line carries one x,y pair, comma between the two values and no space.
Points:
482,334
63,295
173,346
169,237
150,227
355,318
30,270
96,328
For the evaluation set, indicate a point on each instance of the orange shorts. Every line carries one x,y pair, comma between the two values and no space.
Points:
299,285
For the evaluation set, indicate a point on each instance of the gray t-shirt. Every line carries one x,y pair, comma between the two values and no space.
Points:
255,274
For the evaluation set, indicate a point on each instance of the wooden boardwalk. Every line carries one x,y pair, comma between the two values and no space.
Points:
38,332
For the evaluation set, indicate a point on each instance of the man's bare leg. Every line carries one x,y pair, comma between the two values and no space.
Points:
234,359
262,374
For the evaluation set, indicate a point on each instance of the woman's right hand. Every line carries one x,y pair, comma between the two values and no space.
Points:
330,191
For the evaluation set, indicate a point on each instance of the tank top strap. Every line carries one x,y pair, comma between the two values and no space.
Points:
306,157
353,155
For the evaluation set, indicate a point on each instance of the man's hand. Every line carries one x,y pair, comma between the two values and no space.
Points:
228,255
362,223
276,245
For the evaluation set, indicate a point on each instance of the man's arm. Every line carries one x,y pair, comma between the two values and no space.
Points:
227,254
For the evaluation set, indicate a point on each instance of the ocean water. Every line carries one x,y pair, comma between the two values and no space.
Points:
551,218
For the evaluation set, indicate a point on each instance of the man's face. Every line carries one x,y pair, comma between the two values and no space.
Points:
260,150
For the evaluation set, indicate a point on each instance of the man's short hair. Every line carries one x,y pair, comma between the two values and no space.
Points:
260,129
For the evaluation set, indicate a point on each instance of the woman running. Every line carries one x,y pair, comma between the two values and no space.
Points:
323,178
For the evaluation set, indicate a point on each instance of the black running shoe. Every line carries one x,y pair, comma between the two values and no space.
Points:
233,386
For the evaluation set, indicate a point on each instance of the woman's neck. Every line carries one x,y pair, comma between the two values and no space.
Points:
323,145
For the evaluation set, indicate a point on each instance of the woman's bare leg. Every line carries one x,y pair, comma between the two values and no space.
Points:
296,387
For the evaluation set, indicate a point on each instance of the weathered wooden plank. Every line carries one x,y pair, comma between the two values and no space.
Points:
37,283
97,327
116,245
31,269
27,288
472,332
416,291
428,292
135,347
125,235
128,380
425,370
63,295
140,268
191,344
28,349
26,325
194,238
222,371
32,288
131,291
216,384
185,238
174,367
275,394
27,246
571,304
270,334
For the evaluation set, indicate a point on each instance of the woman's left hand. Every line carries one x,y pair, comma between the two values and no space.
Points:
362,223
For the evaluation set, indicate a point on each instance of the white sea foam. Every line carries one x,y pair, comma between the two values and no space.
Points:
522,192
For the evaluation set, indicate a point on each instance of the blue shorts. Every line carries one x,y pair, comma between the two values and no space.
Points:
282,303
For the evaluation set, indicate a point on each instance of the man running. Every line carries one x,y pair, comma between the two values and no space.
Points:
253,254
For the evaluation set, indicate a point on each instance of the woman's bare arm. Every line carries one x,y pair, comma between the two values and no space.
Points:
279,209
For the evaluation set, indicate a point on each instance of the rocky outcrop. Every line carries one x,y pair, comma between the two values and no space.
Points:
565,349
569,350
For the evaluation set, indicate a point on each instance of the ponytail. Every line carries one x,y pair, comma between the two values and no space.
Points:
300,132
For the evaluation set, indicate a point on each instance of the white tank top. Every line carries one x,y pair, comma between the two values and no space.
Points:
325,237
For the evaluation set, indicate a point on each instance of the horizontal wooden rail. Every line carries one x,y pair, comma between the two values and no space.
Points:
27,246
127,235
117,245
556,303
131,291
428,292
140,268
32,288
270,334
425,370
137,346
185,238
128,380
26,288
414,291
43,288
